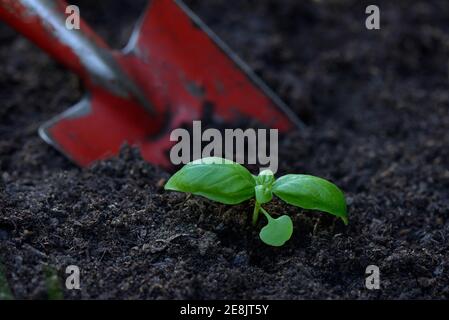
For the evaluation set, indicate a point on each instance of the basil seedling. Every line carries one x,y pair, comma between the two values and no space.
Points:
228,182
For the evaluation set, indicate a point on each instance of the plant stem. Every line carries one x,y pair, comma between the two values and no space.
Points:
267,215
256,213
257,209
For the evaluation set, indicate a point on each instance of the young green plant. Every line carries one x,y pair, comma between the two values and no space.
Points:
228,182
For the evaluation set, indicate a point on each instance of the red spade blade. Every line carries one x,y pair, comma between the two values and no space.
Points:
181,69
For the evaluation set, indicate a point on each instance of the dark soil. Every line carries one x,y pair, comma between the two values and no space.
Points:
377,106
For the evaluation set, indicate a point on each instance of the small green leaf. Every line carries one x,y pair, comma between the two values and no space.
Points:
215,178
264,182
263,194
265,177
277,231
311,192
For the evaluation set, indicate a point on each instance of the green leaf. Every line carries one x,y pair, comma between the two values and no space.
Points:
264,182
311,192
215,178
277,231
265,177
263,194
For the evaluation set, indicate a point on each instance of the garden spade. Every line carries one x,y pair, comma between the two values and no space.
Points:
173,70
